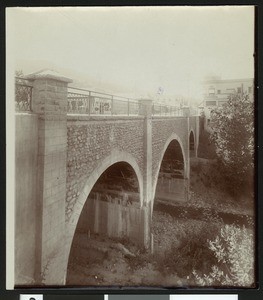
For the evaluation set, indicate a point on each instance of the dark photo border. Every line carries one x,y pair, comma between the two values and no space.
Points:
78,293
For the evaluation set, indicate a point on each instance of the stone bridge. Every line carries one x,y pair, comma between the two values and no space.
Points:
65,161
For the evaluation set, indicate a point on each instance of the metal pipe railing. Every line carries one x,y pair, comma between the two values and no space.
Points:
97,103
83,101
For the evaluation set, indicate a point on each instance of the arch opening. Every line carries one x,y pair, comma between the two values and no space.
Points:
171,183
191,144
111,213
171,188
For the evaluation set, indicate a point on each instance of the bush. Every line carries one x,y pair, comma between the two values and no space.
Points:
208,173
206,148
234,252
193,251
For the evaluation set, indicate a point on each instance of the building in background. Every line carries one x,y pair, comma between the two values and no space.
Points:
217,92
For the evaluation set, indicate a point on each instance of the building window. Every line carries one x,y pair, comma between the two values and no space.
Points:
210,103
211,91
218,91
250,89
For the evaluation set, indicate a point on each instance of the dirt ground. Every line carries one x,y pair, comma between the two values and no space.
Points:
98,261
101,261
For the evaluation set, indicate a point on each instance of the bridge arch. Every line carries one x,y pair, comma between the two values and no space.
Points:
173,137
116,156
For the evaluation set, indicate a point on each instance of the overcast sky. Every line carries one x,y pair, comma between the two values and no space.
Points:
137,48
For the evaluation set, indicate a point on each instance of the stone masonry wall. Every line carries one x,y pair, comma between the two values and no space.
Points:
90,140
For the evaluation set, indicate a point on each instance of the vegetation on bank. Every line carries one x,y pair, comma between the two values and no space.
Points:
232,136
204,253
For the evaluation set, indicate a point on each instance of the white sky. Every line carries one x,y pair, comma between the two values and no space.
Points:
141,48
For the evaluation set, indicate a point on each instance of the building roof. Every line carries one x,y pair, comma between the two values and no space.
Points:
227,80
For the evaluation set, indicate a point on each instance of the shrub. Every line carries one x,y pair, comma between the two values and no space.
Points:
193,251
234,252
206,148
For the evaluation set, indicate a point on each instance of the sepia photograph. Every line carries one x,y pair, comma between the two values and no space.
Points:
130,147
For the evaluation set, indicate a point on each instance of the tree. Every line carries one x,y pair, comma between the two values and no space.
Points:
233,135
19,73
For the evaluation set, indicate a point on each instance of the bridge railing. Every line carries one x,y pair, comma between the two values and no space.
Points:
82,101
23,94
166,110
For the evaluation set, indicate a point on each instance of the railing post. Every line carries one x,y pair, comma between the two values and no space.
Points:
31,95
112,105
89,103
186,111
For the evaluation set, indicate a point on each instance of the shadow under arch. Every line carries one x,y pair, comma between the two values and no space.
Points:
173,137
192,142
116,156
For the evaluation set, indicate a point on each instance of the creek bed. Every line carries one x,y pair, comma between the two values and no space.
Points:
186,212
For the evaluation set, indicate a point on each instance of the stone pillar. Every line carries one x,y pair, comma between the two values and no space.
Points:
49,101
186,111
146,111
187,157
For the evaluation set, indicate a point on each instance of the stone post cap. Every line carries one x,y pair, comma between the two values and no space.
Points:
145,107
48,74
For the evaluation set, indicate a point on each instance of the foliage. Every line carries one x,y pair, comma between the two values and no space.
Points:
192,252
233,135
233,249
206,147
